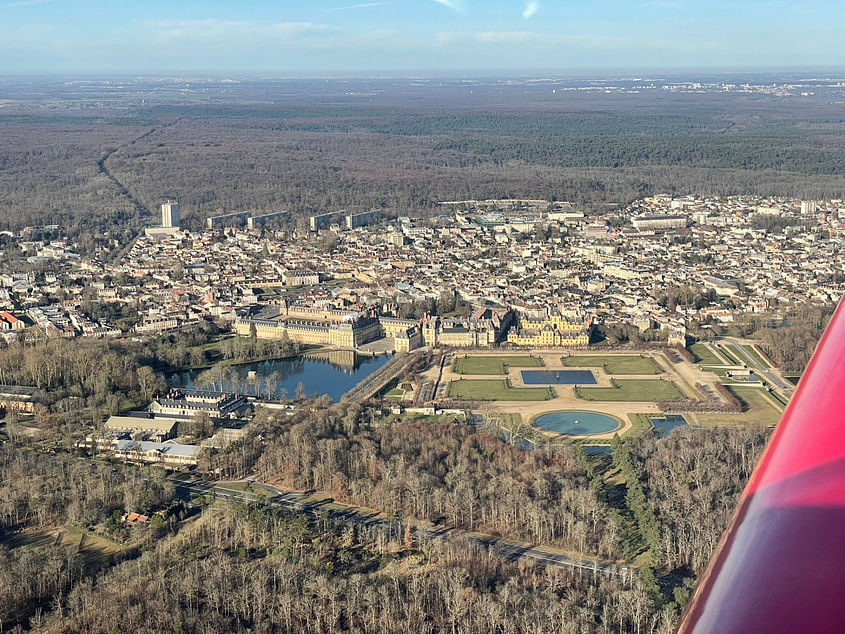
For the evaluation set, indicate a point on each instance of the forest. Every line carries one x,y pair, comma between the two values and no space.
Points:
102,174
791,345
254,569
667,500
237,568
82,382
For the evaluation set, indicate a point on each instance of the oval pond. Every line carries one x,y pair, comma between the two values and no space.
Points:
576,423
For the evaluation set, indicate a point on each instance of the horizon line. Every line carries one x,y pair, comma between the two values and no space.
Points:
478,72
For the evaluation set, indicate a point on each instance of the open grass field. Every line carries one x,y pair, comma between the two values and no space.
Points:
94,550
633,390
494,365
614,364
704,355
496,390
758,409
396,394
23,540
733,351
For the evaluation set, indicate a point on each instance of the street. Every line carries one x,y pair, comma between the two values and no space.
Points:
771,376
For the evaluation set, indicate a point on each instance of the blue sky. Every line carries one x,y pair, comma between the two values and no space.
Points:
318,36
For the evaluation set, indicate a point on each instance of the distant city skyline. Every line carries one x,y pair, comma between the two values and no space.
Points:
318,36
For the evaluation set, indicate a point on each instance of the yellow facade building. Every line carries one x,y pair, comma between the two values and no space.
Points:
345,334
554,331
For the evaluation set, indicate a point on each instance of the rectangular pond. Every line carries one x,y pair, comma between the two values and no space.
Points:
558,377
665,424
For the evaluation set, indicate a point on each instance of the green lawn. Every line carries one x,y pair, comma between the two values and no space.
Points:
758,409
633,390
614,364
704,354
494,365
731,355
496,390
641,423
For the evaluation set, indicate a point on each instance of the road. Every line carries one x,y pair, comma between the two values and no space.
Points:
294,502
142,211
771,376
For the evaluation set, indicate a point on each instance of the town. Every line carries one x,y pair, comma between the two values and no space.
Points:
442,307
526,273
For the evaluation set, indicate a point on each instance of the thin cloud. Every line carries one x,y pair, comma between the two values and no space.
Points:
560,41
214,30
531,7
531,39
363,5
22,3
455,5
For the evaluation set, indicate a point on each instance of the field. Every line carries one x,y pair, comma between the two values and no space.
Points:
731,355
614,364
496,390
494,365
396,394
641,423
633,390
94,550
704,355
758,409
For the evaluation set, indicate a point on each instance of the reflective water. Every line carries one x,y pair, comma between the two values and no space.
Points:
577,423
280,377
558,377
664,425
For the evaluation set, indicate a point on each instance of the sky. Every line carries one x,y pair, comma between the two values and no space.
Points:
302,37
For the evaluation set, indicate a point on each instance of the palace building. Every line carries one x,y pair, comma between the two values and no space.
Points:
552,331
484,328
351,332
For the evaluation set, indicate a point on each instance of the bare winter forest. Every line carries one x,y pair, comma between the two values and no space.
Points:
98,157
100,164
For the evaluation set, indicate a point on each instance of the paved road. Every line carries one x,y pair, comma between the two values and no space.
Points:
773,377
293,502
